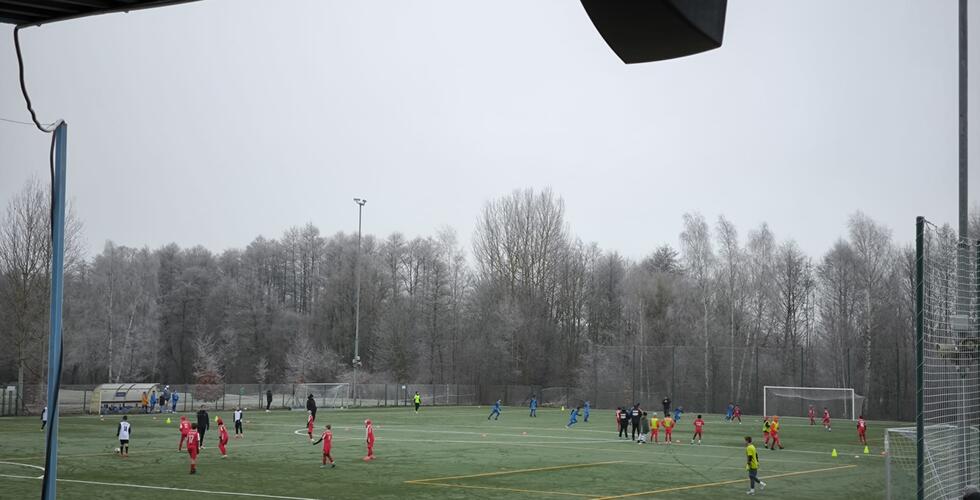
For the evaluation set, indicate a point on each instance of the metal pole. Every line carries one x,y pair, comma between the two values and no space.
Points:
919,360
57,287
357,300
963,120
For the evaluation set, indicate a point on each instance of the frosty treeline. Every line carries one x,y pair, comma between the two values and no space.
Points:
527,302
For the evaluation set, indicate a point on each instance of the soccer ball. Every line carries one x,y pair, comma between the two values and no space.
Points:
117,450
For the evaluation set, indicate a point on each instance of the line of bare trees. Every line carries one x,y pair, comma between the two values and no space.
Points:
528,304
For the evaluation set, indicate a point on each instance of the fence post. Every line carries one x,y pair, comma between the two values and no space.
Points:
919,360
755,389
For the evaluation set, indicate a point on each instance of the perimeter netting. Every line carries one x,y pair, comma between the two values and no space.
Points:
950,386
326,395
938,456
796,402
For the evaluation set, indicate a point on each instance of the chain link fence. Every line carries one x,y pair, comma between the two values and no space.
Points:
610,376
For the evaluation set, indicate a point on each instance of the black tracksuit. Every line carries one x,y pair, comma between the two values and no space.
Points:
268,399
666,402
203,422
311,406
624,423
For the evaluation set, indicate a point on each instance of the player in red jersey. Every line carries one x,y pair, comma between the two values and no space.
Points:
369,436
327,438
826,418
668,424
774,434
222,438
862,429
698,430
185,430
812,420
192,441
737,414
309,424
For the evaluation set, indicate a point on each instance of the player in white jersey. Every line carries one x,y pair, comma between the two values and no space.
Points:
239,428
123,432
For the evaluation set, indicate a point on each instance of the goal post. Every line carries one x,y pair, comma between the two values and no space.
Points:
939,451
795,401
326,395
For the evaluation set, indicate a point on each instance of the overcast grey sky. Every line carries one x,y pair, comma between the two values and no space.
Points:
213,122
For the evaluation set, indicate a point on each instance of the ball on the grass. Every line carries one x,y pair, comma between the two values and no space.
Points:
117,450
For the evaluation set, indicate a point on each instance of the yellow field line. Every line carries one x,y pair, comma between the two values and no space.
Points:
518,471
516,490
721,483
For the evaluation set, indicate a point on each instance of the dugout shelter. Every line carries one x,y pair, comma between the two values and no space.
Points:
123,397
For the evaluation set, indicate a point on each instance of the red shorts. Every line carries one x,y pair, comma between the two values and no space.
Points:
326,451
192,452
861,433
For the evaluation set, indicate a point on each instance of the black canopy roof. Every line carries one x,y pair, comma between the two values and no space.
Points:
34,12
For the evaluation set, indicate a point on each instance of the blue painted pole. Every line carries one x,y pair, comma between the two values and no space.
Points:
57,287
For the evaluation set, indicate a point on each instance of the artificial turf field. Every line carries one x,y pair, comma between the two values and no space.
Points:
442,452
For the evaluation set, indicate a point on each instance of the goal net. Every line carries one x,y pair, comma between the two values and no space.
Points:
939,452
948,352
841,402
326,395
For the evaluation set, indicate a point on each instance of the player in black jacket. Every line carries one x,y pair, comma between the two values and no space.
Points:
311,406
203,422
624,423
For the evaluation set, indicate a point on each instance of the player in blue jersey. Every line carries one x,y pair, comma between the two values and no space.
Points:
534,406
495,411
572,418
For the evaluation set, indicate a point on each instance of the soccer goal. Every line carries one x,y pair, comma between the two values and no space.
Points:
842,402
326,395
942,461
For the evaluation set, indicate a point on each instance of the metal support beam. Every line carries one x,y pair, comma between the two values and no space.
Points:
920,223
57,288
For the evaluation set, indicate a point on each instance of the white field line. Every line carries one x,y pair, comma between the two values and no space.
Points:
167,488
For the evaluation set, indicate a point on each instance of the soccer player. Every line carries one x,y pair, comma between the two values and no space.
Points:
311,406
495,411
123,432
239,427
698,430
644,429
586,412
666,403
153,401
624,423
418,401
737,414
635,415
222,438
309,424
729,411
774,434
668,424
862,429
185,431
766,429
534,406
44,418
573,417
192,447
655,428
327,438
752,466
173,398
811,413
203,424
146,402
826,418
268,400
677,413
369,436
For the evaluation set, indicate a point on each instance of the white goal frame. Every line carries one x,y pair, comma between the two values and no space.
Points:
853,396
320,391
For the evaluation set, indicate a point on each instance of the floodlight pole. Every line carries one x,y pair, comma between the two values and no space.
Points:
357,299
57,287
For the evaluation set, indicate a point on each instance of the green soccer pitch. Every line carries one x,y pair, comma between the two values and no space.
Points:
443,452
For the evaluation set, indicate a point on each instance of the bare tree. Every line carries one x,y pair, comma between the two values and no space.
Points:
731,258
696,248
873,247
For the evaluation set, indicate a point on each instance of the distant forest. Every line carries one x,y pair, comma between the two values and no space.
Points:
526,302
